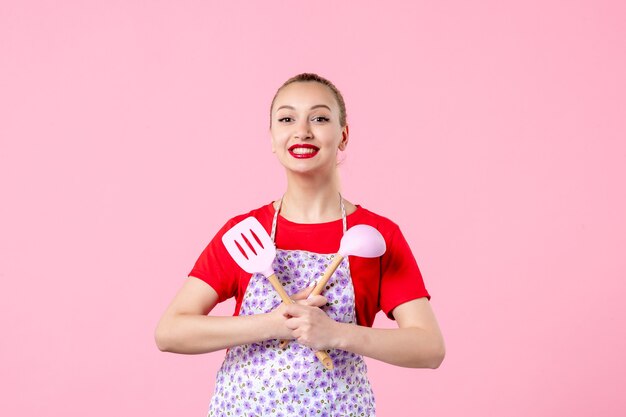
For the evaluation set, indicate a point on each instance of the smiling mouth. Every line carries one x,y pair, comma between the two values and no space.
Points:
303,151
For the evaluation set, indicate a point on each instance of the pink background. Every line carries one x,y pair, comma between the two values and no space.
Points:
493,134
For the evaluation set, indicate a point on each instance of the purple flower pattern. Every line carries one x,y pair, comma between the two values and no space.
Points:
261,379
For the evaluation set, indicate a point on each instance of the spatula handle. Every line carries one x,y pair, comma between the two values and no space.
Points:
322,355
280,290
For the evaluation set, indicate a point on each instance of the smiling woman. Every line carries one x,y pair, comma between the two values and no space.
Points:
260,376
307,125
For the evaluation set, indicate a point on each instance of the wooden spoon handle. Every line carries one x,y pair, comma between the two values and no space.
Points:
330,270
322,355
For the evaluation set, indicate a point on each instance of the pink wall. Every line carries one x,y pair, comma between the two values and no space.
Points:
131,130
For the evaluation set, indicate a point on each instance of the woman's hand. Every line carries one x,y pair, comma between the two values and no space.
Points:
278,317
309,325
304,308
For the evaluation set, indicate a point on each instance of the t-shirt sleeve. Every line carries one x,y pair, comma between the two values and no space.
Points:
216,267
401,279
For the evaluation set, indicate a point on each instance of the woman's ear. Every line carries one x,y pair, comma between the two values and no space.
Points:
344,138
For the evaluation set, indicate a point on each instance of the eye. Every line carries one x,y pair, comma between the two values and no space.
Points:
285,119
321,119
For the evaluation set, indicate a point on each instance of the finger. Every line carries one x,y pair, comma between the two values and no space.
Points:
292,323
294,310
282,309
314,301
303,294
296,333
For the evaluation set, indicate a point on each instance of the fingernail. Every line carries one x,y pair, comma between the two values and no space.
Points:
313,284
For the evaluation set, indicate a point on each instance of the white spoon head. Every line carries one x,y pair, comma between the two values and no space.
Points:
364,241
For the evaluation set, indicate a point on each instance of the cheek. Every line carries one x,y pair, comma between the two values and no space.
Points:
335,138
277,142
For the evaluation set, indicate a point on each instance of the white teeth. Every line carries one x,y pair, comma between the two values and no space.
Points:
302,151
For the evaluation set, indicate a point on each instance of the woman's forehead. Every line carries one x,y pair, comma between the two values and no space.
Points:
305,94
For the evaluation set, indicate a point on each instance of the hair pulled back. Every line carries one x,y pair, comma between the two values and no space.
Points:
311,77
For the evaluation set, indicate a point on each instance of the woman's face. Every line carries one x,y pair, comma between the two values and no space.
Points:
305,130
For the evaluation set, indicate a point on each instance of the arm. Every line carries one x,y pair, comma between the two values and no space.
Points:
417,343
186,328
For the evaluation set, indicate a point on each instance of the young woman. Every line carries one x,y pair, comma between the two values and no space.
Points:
258,377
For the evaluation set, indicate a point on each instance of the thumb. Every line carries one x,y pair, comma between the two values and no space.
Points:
303,294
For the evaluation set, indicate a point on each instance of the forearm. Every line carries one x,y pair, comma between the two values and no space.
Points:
193,334
409,347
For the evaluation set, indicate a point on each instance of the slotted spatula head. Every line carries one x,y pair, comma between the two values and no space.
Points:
250,246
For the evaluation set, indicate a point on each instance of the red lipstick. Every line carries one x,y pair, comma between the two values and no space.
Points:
303,151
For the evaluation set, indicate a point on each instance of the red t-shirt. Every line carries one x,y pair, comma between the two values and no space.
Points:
379,283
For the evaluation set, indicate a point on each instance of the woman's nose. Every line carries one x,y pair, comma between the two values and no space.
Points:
303,130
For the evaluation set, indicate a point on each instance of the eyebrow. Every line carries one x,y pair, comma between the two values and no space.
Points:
312,108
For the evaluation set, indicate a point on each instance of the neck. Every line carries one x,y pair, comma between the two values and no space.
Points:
311,199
